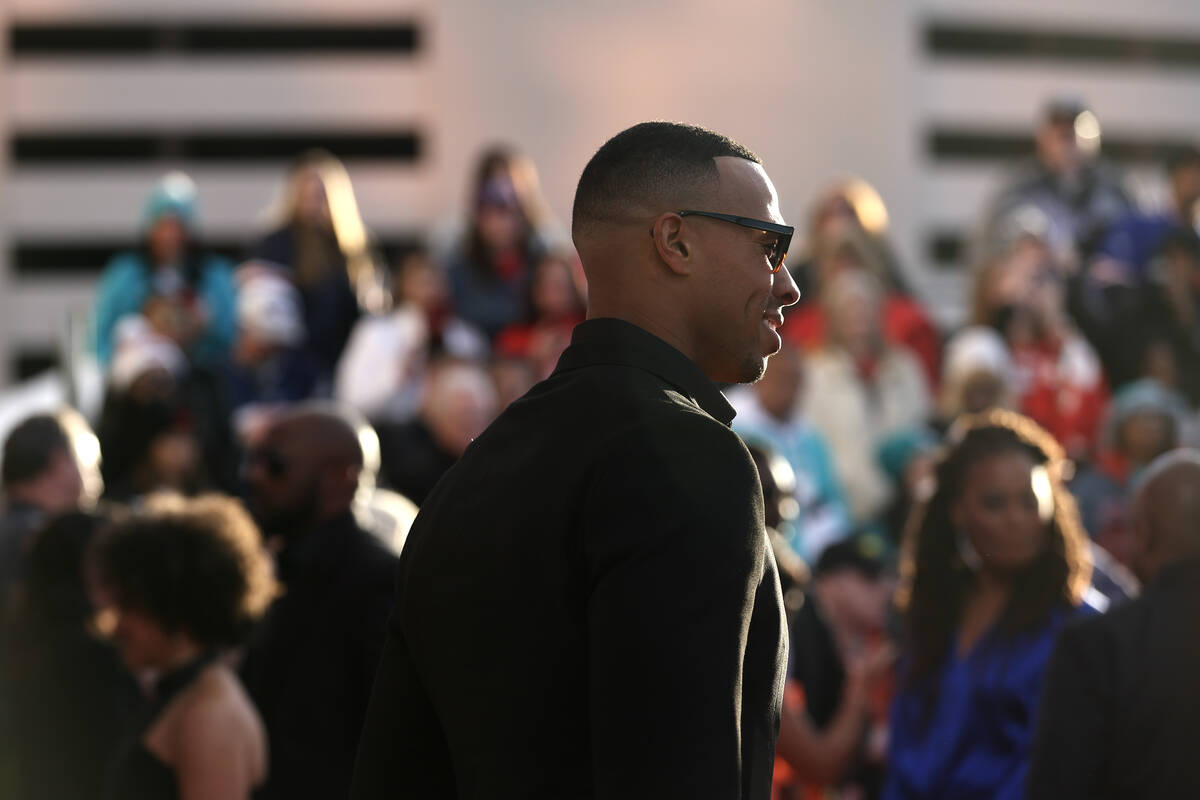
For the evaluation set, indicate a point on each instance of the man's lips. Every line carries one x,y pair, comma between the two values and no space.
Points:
774,320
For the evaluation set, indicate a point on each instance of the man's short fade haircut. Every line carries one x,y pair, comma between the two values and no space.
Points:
31,447
646,163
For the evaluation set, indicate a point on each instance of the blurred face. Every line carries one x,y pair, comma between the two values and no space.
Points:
554,290
166,240
854,323
312,207
283,482
1145,436
739,302
1185,188
174,459
143,642
1056,145
780,384
981,391
421,284
498,216
513,378
463,412
61,487
1005,510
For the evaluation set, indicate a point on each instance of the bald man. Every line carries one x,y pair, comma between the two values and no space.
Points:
1120,715
588,605
310,667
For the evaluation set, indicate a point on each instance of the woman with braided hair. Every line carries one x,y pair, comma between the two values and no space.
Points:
996,562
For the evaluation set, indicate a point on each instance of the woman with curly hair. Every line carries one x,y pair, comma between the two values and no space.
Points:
996,561
187,580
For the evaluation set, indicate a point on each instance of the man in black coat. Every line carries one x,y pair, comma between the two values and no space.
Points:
588,605
1120,714
310,666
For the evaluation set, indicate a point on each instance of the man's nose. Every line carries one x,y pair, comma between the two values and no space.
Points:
785,288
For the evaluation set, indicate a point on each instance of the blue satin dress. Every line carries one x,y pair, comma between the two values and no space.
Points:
967,734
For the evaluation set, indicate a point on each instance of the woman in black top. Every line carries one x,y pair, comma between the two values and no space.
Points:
186,580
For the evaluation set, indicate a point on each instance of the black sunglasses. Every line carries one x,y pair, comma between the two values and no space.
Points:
783,233
272,461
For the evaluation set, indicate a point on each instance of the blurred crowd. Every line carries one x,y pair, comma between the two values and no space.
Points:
325,388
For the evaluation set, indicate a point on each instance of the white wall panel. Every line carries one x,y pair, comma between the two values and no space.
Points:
346,92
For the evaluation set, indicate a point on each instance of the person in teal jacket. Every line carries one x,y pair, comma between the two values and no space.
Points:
186,294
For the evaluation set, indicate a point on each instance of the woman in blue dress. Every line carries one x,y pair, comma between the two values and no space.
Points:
996,562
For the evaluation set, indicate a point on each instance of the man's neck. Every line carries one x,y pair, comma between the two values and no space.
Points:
670,331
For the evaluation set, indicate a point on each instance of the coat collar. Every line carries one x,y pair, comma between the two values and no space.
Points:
616,342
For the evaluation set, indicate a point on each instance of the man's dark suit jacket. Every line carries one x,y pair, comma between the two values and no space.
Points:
588,605
1120,714
310,667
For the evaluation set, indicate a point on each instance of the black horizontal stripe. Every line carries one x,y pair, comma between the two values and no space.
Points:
969,144
87,257
102,39
30,361
1019,43
30,147
945,249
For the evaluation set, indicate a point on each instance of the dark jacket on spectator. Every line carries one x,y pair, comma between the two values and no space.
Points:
588,605
1120,713
310,667
330,306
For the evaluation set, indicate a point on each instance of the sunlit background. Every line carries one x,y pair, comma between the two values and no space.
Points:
925,100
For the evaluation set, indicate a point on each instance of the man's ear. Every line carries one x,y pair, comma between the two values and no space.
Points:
672,244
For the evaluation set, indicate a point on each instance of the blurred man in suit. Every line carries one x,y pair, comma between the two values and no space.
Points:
310,666
1120,714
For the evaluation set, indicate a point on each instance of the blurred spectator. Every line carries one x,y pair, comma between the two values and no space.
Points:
69,703
1058,378
162,426
555,306
995,564
908,457
186,581
41,477
1144,421
1121,708
768,412
1079,194
270,370
978,374
512,376
1125,253
311,665
860,390
460,402
489,268
845,246
185,294
848,204
1159,332
383,371
842,663
320,239
1148,325
808,752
